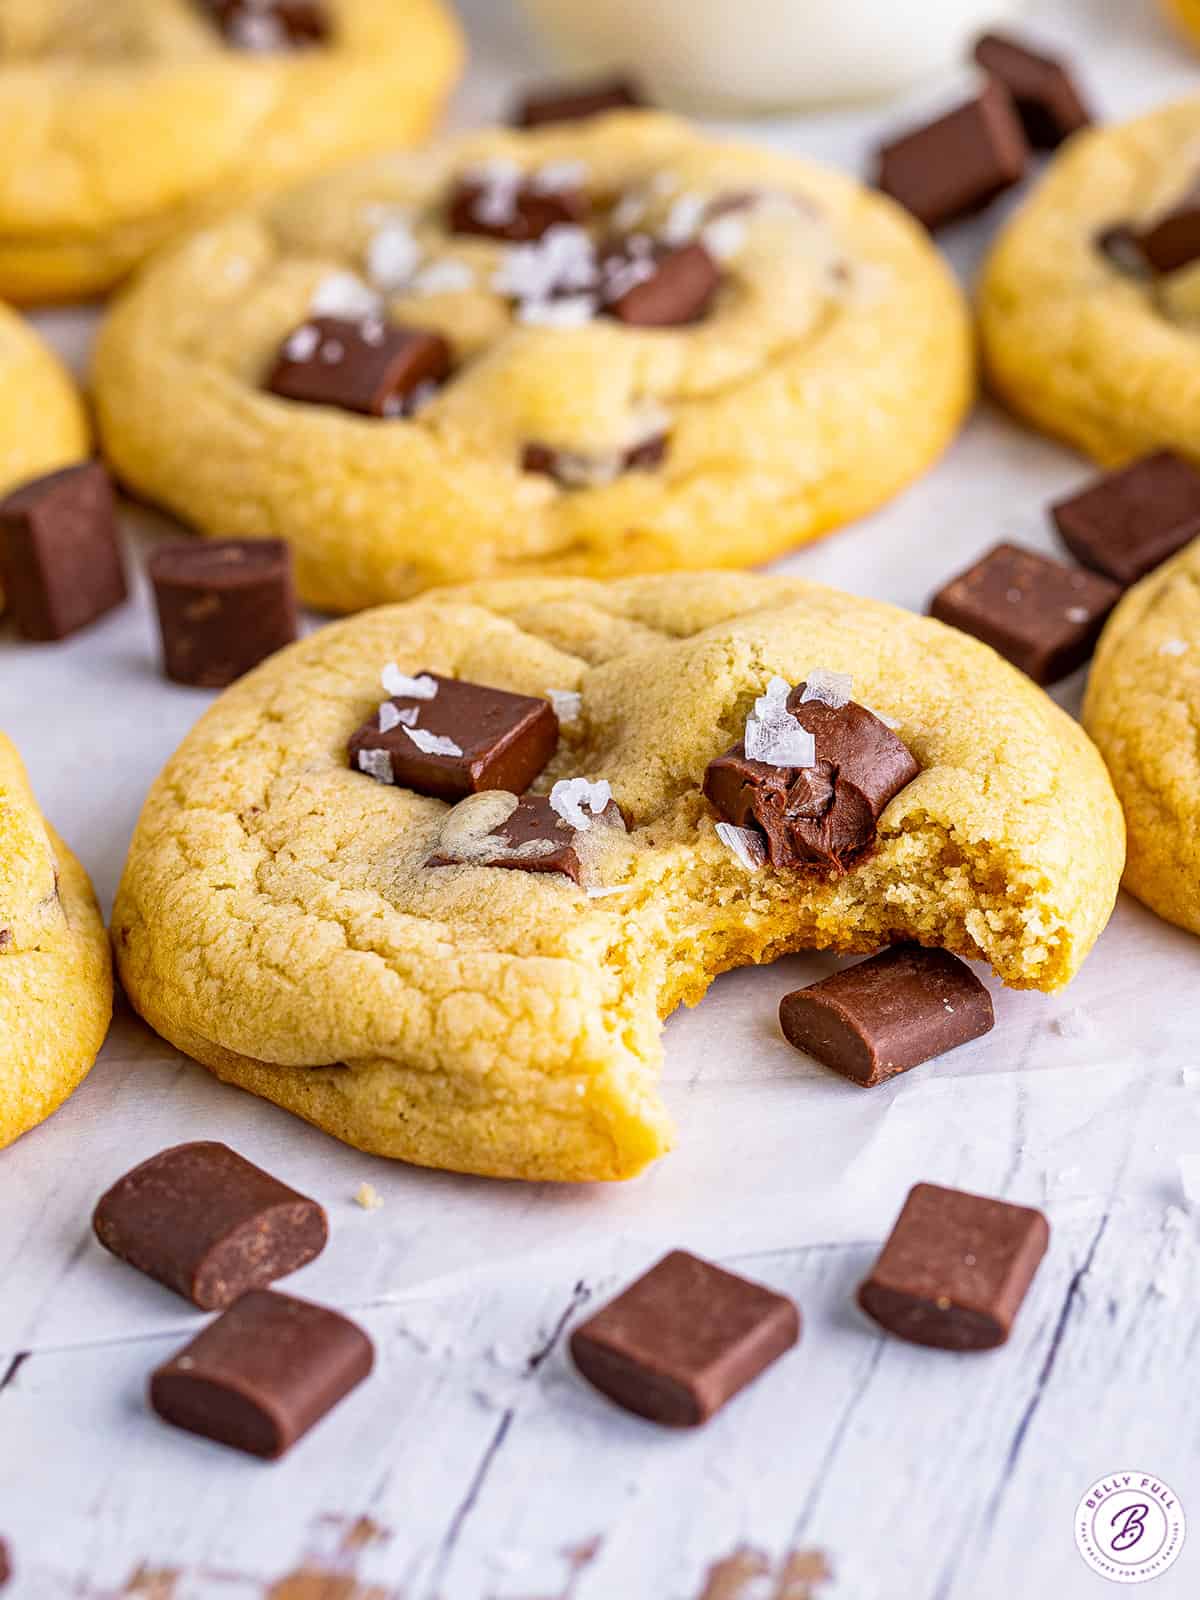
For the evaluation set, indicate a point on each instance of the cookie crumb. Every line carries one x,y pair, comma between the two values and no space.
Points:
368,1197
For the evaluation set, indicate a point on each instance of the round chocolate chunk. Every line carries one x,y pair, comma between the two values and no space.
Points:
223,606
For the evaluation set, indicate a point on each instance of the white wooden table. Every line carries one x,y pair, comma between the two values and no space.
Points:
475,1466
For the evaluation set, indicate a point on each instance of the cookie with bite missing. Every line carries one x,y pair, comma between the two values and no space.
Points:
432,877
1143,710
589,349
1090,301
136,119
55,967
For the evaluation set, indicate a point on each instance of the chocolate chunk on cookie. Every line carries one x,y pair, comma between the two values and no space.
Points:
60,562
820,812
458,740
1040,614
955,1270
271,24
565,102
208,1224
224,605
651,285
371,367
959,163
883,1016
532,837
1047,98
576,471
1172,240
260,1376
683,1340
1127,523
498,203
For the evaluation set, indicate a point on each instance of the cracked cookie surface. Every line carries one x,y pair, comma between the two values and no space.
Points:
1143,711
279,922
1082,345
129,120
55,967
832,365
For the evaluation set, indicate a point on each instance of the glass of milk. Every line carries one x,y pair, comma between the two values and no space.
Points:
736,56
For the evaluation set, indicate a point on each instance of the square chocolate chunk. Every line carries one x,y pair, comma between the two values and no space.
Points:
959,163
955,1270
223,606
465,738
565,102
1128,522
271,24
60,563
260,1376
652,285
1047,98
370,366
683,1339
1172,240
1039,614
883,1016
519,212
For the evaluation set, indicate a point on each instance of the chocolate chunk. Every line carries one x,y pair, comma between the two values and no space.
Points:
1039,614
370,366
1173,239
960,163
6,1566
260,1376
271,24
502,740
652,285
888,1014
561,102
208,1224
533,838
684,1339
519,211
60,563
576,471
223,606
955,1270
1128,522
822,816
1046,96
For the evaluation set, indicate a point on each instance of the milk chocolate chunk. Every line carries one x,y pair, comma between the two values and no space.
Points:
60,563
1039,614
651,285
464,739
1128,522
575,471
960,163
888,1014
1046,96
209,1224
371,367
820,817
533,838
577,102
271,24
6,1566
1172,240
518,212
260,1376
955,1270
684,1339
224,605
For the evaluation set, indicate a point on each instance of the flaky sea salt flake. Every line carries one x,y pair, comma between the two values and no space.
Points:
393,255
570,796
376,764
832,689
744,843
344,294
433,744
567,703
1173,647
401,687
